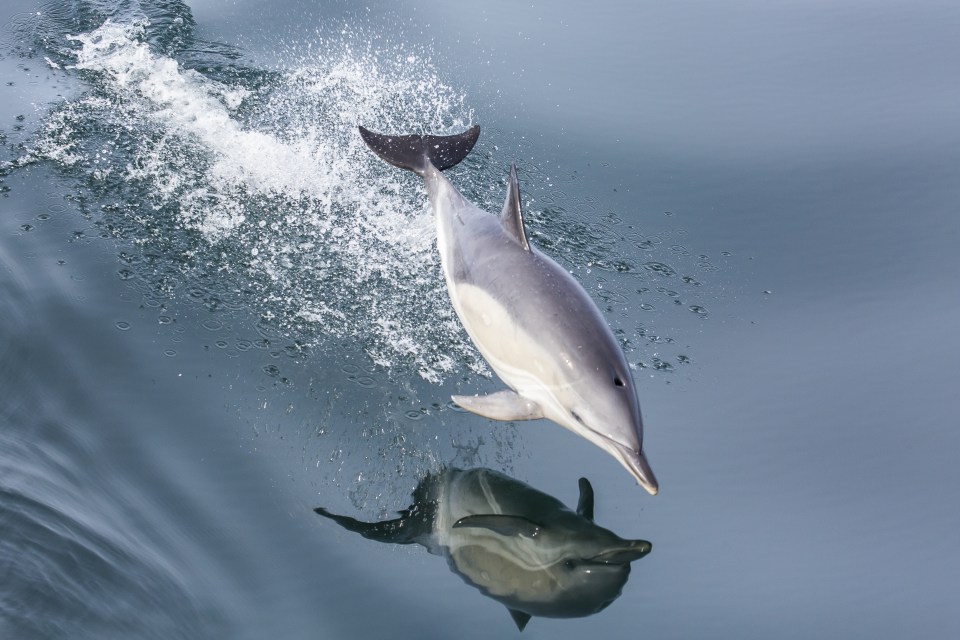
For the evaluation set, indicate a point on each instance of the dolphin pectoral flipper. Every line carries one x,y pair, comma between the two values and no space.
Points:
415,153
502,405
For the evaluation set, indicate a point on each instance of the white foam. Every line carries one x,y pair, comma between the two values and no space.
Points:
189,105
346,241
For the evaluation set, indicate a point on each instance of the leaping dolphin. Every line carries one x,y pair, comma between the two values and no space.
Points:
529,318
517,545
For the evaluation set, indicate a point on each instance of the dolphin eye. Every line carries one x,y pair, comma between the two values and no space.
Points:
569,565
617,379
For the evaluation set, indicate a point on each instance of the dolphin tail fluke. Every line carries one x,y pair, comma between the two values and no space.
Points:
416,153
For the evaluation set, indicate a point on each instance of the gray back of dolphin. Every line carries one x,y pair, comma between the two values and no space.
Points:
533,322
515,544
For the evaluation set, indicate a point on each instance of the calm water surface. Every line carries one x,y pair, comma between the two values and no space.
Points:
219,311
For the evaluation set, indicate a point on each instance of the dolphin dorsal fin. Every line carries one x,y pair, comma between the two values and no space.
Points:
512,218
504,525
585,504
520,618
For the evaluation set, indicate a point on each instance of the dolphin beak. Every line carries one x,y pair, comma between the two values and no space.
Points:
636,464
630,551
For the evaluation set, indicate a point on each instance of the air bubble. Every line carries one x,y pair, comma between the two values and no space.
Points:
660,365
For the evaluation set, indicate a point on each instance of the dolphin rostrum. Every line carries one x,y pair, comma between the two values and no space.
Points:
517,545
529,318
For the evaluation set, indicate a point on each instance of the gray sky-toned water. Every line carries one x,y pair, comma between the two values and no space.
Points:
798,160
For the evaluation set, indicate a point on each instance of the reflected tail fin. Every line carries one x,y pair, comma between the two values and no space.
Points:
407,529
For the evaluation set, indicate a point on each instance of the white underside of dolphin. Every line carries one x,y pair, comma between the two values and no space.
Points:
531,320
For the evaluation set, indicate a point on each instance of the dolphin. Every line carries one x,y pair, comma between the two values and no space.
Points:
531,320
517,545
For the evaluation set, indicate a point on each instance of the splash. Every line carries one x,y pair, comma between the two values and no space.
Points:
263,182
244,187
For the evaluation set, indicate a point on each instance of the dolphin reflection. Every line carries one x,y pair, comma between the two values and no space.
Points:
517,545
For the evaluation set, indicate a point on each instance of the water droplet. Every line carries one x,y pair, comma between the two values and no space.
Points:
272,370
170,353
660,365
122,325
294,350
659,268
